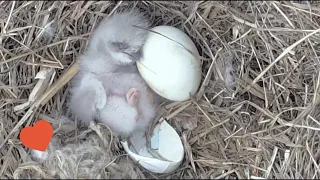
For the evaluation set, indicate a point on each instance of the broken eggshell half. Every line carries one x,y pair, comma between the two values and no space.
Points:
165,141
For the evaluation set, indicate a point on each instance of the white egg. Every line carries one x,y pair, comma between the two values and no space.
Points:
170,63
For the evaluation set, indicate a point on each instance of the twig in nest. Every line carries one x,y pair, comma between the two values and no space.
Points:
11,68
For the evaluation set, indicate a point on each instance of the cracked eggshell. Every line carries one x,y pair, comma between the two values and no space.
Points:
170,63
166,141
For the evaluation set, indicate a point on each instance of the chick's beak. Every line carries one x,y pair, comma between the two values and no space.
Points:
135,56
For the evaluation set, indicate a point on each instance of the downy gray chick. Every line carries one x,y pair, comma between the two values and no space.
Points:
114,47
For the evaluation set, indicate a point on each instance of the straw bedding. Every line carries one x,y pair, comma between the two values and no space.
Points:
256,114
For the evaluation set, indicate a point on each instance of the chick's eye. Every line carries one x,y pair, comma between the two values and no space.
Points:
120,46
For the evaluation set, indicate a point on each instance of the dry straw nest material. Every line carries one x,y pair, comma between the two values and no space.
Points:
264,126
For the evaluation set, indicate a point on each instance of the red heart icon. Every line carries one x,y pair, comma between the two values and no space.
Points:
37,137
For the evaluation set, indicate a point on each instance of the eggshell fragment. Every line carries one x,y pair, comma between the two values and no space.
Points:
166,141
